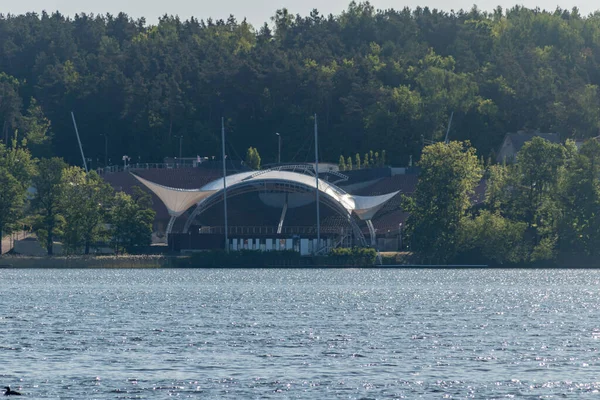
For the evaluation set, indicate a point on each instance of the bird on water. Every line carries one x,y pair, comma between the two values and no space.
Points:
10,392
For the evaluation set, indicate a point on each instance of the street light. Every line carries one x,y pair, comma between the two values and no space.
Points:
400,235
105,148
279,148
180,139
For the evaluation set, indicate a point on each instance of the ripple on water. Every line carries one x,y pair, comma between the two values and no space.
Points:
356,334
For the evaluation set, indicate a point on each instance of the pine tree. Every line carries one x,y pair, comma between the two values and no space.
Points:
342,164
253,158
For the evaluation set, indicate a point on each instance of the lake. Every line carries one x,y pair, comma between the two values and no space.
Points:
300,334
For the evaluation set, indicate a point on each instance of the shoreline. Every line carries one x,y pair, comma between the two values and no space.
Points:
181,262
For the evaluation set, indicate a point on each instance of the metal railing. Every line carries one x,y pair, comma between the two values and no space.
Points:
269,230
141,166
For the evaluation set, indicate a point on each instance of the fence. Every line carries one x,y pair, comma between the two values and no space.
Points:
269,230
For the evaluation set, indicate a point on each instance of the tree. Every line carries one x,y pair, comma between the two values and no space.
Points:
357,158
12,197
36,127
342,164
131,223
18,161
491,237
349,164
85,203
449,174
16,169
10,104
534,198
47,199
579,192
253,158
498,186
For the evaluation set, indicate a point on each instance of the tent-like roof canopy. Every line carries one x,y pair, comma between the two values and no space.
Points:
178,201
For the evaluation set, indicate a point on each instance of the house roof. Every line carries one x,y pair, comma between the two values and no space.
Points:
520,138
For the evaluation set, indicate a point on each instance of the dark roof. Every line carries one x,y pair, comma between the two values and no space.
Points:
520,138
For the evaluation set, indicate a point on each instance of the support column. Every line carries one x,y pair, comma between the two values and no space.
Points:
372,232
193,215
283,212
374,241
170,225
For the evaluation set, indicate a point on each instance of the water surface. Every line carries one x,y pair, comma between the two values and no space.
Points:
300,334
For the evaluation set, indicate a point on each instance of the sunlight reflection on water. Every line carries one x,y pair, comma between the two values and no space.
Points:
300,333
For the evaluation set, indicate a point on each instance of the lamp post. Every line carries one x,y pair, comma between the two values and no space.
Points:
279,148
180,139
400,235
105,148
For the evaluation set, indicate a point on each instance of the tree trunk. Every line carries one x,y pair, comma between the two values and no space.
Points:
50,241
87,247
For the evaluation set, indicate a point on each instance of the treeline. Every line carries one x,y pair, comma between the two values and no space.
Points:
376,78
59,202
544,208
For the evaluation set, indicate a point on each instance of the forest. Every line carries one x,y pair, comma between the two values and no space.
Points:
385,79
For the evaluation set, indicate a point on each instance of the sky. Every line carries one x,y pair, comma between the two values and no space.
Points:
258,12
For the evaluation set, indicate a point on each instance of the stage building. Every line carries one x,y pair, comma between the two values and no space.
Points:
274,208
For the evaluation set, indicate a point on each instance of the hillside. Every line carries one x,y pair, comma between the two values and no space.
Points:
377,79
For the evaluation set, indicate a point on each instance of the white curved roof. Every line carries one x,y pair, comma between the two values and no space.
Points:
178,201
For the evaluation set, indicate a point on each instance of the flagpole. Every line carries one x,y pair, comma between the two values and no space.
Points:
79,141
224,183
317,183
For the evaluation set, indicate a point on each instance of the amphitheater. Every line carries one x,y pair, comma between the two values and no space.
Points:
273,208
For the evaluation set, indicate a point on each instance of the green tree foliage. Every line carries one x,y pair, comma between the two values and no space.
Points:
35,127
253,158
12,197
579,191
439,206
370,160
85,203
131,222
10,105
342,164
377,78
46,202
18,161
16,170
497,188
491,237
534,196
